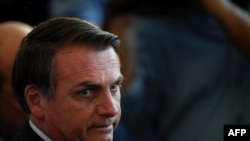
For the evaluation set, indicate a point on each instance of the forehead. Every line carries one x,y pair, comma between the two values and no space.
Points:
76,61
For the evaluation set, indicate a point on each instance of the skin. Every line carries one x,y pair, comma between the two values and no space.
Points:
86,106
235,21
12,117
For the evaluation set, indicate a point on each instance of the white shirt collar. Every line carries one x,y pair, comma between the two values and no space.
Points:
39,132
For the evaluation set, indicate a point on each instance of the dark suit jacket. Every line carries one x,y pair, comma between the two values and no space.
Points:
26,134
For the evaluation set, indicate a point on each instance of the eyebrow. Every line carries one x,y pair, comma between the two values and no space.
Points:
96,85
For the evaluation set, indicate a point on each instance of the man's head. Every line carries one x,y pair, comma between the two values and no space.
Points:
67,76
12,117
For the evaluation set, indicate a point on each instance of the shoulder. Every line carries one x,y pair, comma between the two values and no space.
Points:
26,134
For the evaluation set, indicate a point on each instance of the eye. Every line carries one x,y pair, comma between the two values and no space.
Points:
115,88
85,92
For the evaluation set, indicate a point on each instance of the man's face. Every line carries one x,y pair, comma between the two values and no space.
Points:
86,105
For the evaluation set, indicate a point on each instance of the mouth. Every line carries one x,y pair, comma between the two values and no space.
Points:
103,128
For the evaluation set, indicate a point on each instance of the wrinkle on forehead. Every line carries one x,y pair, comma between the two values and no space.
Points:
86,61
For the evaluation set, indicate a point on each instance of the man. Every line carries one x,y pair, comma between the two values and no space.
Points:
67,78
12,117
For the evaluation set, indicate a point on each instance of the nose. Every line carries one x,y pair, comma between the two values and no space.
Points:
109,105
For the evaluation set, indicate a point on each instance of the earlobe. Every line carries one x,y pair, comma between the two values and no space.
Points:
34,100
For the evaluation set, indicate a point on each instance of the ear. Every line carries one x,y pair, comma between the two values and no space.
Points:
34,100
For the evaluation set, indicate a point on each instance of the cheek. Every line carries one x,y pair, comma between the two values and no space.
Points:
120,111
66,105
68,112
118,106
67,108
70,109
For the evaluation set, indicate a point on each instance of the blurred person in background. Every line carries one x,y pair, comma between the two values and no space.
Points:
190,74
12,117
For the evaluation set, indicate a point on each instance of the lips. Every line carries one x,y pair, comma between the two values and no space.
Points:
107,128
103,126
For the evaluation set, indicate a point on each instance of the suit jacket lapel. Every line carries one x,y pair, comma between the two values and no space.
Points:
27,134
